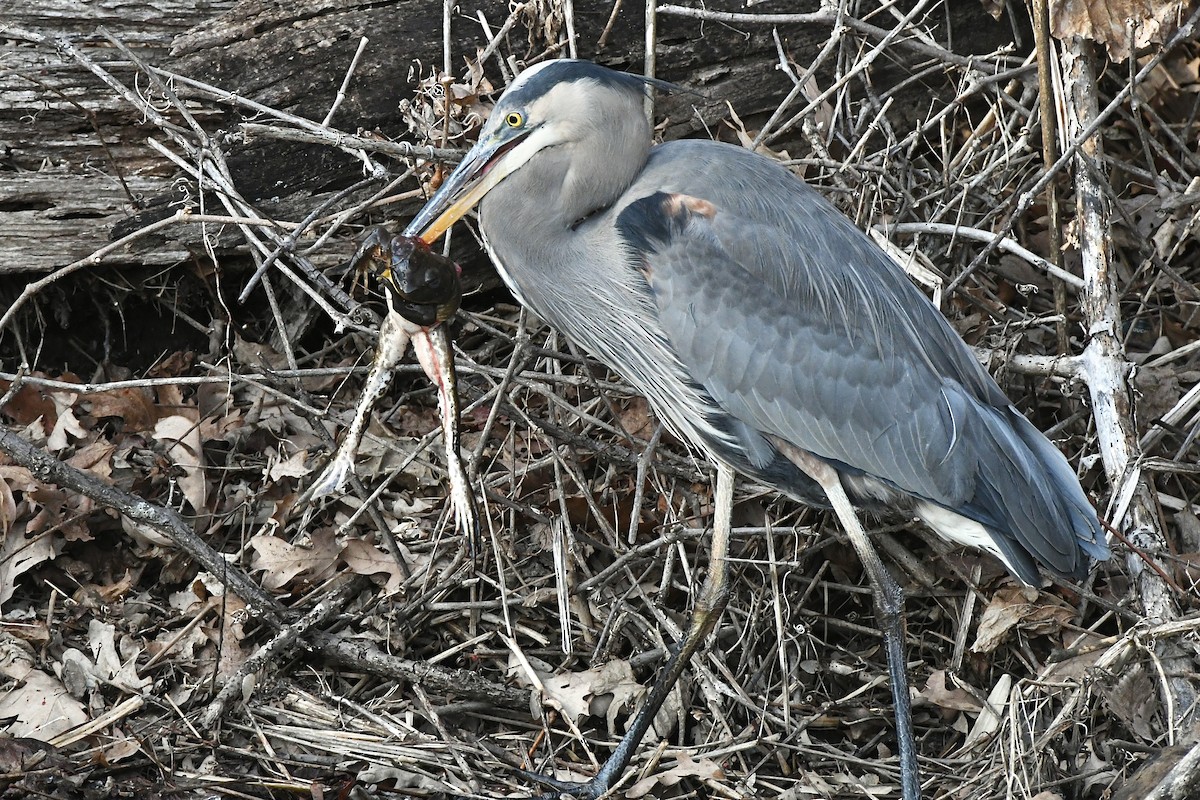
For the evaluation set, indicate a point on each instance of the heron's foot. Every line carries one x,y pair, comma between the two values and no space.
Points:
589,790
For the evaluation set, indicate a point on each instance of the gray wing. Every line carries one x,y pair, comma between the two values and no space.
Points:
826,358
800,328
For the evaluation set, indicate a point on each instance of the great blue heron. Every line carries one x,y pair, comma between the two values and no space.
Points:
766,330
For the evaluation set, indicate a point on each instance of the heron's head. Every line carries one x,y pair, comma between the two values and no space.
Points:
577,129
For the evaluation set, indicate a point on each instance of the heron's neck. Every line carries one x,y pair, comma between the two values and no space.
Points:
541,222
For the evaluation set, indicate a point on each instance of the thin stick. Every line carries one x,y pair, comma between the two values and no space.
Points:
1049,117
1002,242
341,93
651,55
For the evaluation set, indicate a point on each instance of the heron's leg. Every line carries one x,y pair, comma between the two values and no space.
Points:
705,614
889,607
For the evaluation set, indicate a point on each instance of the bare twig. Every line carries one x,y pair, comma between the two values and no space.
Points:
341,93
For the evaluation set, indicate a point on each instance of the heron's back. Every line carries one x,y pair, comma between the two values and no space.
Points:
802,329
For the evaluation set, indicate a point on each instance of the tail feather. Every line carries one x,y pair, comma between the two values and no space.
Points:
1028,495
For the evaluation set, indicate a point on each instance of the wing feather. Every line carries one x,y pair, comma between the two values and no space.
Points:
799,327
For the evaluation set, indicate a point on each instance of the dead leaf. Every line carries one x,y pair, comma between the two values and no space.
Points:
145,534
123,747
66,424
21,755
1188,571
994,8
40,706
823,114
685,767
1189,529
937,693
1019,606
174,365
135,406
78,673
1122,26
635,418
8,507
282,562
365,559
29,405
291,467
21,552
990,715
95,458
603,691
1091,647
1133,699
231,655
18,479
1159,389
110,668
182,437
382,452
107,593
184,646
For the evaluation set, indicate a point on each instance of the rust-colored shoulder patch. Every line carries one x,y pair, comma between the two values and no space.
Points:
652,223
681,203
646,269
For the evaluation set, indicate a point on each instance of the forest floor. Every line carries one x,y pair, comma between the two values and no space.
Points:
364,651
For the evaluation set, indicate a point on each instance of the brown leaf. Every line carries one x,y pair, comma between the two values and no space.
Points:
364,559
603,691
19,755
8,507
134,405
291,467
28,405
20,553
66,424
39,704
685,767
936,692
1134,700
109,666
1106,22
636,419
1188,572
18,479
181,435
282,561
1159,389
109,593
231,655
1019,606
174,365
95,458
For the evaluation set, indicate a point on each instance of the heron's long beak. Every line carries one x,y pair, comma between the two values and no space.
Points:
488,163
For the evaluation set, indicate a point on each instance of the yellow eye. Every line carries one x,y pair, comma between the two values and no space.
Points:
514,119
